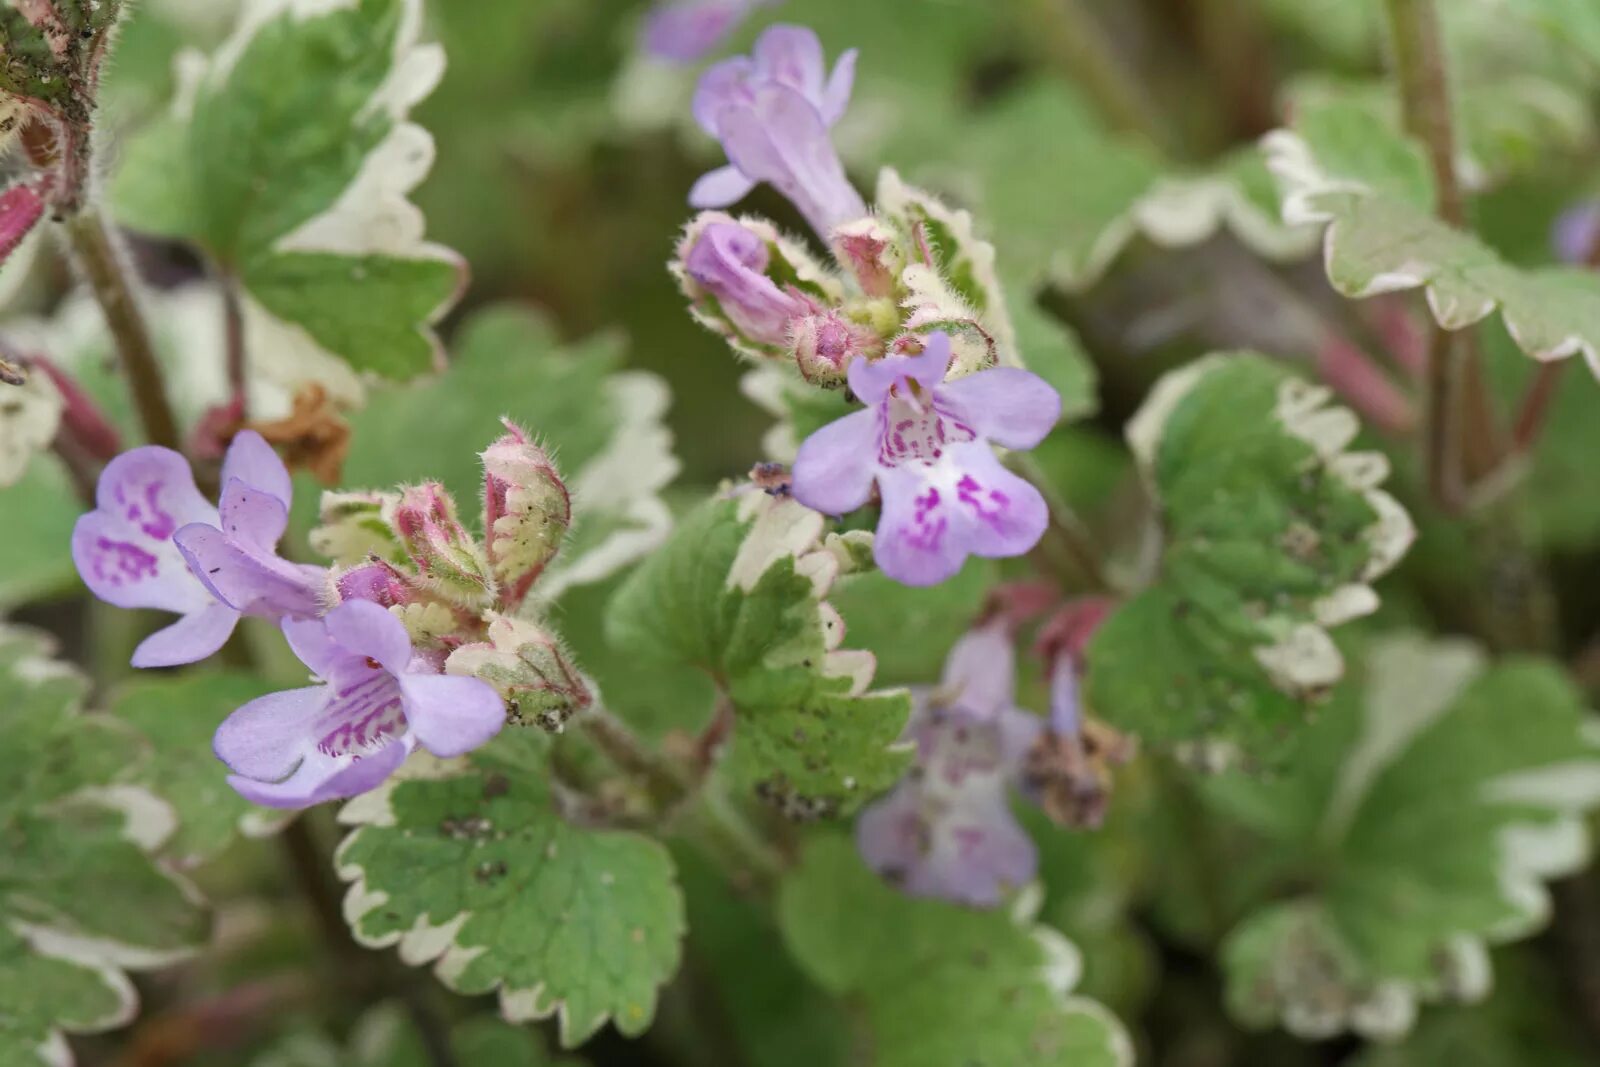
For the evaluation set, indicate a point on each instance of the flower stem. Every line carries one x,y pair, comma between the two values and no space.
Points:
713,821
1534,410
233,341
95,249
1458,410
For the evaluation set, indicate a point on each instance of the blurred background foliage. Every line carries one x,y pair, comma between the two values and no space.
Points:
564,161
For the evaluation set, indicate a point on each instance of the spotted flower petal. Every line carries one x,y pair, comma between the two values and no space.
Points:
378,701
945,494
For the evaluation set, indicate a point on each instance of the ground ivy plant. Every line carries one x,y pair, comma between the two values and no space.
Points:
796,533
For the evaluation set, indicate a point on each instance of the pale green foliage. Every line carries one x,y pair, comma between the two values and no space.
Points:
738,592
179,715
1427,806
1273,533
471,864
287,160
68,825
941,986
1342,166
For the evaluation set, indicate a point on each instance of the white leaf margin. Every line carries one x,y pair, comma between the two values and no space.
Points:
1309,191
1301,657
1180,211
429,943
373,216
148,823
1531,853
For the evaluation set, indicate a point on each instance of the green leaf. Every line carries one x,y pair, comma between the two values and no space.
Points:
68,825
911,628
941,985
604,427
35,539
288,160
46,994
1523,1022
738,593
779,1017
179,714
29,68
470,864
1418,825
1273,533
1342,166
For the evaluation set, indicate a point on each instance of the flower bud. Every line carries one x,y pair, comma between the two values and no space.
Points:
824,343
526,511
528,668
747,283
447,556
355,526
21,207
868,249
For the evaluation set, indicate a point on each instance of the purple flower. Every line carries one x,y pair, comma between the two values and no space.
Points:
925,443
1577,232
378,701
772,111
947,830
154,542
730,261
682,31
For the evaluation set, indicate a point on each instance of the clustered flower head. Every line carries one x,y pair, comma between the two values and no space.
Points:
419,634
948,829
909,315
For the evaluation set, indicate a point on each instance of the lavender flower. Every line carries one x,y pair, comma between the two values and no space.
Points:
730,261
947,830
683,31
925,443
378,702
154,542
1577,231
773,111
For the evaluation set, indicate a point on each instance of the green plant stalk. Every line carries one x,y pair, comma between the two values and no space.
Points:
1461,442
94,249
692,800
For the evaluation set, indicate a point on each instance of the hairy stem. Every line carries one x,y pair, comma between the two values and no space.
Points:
1073,41
712,820
95,250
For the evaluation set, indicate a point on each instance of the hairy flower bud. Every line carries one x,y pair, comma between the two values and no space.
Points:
869,250
447,556
748,283
528,668
824,344
21,207
355,526
526,511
